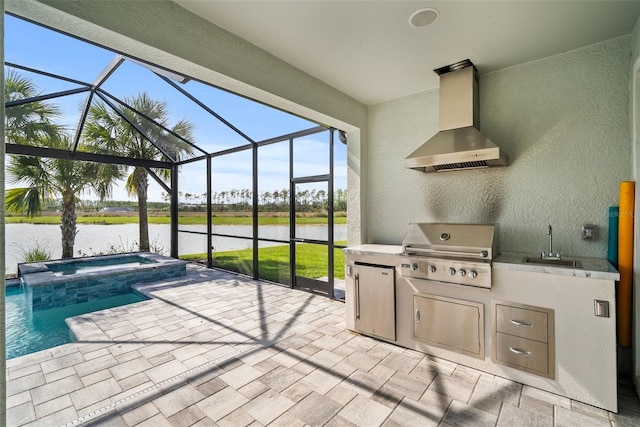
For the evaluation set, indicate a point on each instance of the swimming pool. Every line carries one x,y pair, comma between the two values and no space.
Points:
97,264
78,280
28,331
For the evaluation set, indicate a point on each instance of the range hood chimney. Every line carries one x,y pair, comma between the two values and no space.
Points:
459,144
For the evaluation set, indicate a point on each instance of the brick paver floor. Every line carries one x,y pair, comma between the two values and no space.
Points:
213,349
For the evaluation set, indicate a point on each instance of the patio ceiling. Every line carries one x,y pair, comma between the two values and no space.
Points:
369,51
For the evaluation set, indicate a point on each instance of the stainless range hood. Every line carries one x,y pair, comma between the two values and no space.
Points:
459,144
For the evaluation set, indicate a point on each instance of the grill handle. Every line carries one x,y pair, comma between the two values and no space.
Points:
410,250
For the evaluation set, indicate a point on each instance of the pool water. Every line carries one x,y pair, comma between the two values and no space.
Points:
28,332
89,265
89,268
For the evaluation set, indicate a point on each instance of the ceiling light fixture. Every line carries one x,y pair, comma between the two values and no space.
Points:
423,17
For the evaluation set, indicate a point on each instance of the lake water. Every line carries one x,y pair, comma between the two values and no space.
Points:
92,239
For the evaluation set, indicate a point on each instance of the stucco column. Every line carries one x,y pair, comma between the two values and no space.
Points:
356,230
3,363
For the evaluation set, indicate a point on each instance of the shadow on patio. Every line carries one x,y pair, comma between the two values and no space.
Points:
216,348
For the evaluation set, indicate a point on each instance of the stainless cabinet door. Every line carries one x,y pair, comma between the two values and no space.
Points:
454,324
375,301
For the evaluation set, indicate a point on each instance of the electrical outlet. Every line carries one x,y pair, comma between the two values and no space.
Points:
589,232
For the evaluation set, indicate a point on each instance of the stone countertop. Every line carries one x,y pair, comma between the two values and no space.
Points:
593,268
372,249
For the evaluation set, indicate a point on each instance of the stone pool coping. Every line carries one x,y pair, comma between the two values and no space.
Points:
39,273
44,289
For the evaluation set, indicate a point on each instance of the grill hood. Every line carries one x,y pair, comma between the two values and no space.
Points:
459,144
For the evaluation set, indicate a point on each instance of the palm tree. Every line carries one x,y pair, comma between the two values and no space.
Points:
47,179
113,134
284,193
32,123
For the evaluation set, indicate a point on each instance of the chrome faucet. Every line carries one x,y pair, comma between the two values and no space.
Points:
550,254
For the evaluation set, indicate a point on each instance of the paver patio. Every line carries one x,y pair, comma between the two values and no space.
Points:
213,348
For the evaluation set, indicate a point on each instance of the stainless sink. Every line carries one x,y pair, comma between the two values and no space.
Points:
553,262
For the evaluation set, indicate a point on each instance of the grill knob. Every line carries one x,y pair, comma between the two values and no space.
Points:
473,274
414,266
452,271
432,269
462,272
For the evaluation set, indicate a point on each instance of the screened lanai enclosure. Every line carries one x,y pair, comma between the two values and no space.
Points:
248,188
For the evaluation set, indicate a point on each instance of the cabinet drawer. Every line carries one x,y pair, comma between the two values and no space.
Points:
522,322
525,354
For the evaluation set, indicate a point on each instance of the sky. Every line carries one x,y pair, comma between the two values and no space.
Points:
39,48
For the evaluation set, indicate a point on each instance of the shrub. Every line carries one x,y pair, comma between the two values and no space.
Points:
156,246
37,252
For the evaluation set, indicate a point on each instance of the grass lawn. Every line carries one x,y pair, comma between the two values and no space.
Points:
311,261
182,220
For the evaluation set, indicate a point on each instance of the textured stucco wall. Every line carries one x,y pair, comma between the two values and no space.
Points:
563,121
356,180
3,362
634,90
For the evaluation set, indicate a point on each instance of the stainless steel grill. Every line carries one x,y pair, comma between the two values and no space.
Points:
453,253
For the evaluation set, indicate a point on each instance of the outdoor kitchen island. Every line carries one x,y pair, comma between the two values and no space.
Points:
553,328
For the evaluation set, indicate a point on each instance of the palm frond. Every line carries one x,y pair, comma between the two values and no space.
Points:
130,184
109,132
30,170
27,200
27,123
105,174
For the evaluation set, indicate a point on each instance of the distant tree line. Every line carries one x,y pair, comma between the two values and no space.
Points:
98,205
225,201
239,200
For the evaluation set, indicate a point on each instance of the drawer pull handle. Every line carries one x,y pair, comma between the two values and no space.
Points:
417,317
520,352
521,323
